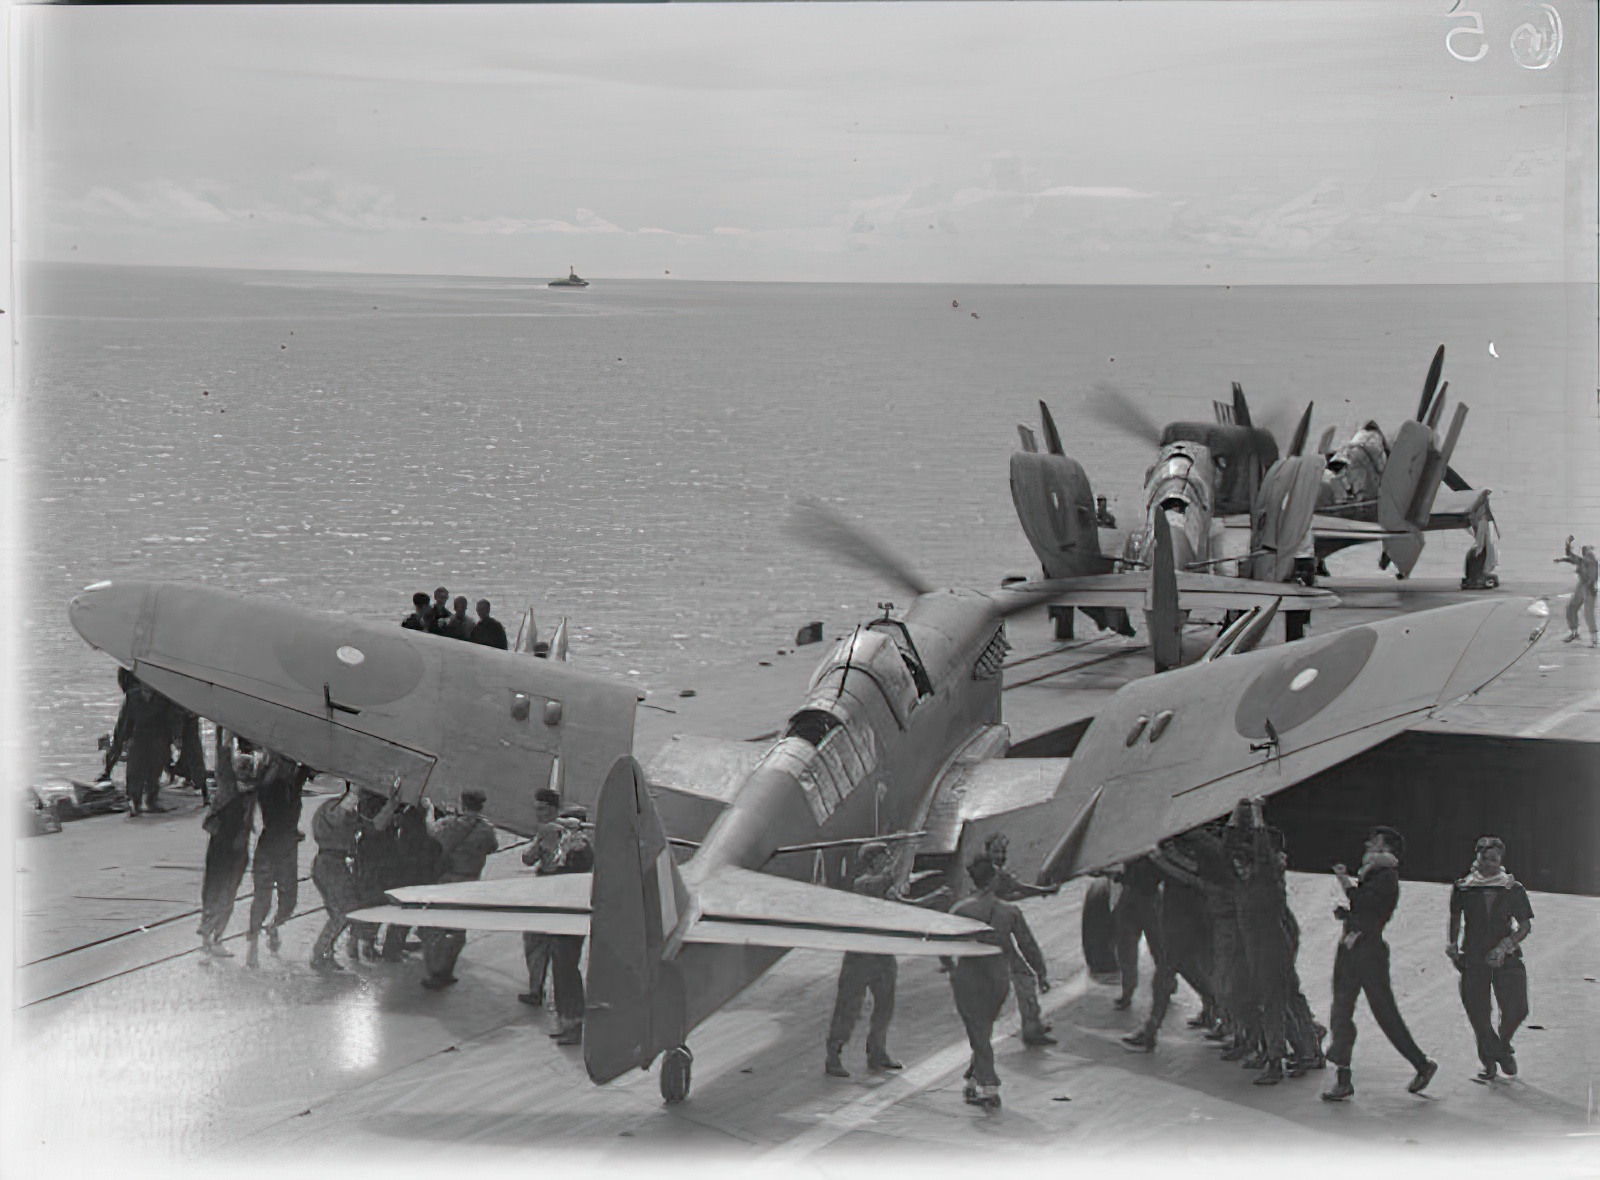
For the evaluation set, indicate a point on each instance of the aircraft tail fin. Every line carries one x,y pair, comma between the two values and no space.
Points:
635,1004
1163,617
1052,436
1297,444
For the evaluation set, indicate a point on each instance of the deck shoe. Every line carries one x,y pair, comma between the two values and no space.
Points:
882,1064
1143,1041
1424,1076
1270,1076
532,999
1256,1060
1485,1075
1122,1003
1198,1022
216,950
1040,1040
273,941
571,1035
157,809
1342,1088
327,964
252,957
1235,1052
1508,1062
434,982
1216,1035
970,1093
834,1067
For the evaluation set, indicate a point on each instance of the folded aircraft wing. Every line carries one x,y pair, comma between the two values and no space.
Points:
364,700
1170,752
1456,510
733,907
1131,591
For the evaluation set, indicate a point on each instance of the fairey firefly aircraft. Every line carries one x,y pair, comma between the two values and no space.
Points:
1373,490
1234,504
1203,472
899,737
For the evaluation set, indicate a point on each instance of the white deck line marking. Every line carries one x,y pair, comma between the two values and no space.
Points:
856,1114
1540,728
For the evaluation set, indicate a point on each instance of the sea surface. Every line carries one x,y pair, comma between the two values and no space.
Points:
622,455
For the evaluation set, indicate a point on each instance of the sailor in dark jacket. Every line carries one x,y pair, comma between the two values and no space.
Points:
1361,963
1489,918
981,982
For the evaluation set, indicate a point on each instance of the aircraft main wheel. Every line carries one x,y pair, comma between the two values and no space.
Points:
1099,933
675,1071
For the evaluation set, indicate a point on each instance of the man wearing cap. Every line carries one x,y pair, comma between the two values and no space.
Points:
1361,963
1489,918
465,842
334,827
860,973
980,982
542,855
574,854
1023,982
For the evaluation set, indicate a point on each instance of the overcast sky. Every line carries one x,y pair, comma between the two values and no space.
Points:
1160,142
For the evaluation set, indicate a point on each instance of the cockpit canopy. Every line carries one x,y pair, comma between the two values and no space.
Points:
871,655
1180,478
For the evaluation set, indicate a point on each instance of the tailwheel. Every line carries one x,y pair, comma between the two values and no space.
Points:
675,1069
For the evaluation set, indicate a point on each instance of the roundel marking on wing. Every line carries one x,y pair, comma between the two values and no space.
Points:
384,667
1287,695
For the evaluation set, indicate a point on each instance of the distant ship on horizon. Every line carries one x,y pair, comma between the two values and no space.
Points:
572,280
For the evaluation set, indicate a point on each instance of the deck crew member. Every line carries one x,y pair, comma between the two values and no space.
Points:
1489,918
980,982
421,609
275,869
1007,888
487,630
1261,900
191,763
465,841
228,822
438,611
374,869
1230,991
1186,940
149,743
860,973
334,828
1137,912
574,854
418,864
1583,594
542,855
459,624
1361,963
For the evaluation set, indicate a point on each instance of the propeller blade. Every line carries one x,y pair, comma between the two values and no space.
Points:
1030,444
1438,407
1298,444
1111,407
1052,438
819,526
1431,384
1325,447
1454,482
1166,624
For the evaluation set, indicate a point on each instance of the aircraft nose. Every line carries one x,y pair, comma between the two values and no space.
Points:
107,614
